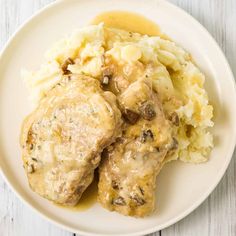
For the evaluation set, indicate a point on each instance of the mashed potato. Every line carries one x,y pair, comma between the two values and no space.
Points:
173,75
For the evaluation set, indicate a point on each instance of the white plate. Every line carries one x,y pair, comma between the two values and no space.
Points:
181,187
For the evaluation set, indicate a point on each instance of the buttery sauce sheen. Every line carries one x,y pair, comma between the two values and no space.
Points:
88,199
130,22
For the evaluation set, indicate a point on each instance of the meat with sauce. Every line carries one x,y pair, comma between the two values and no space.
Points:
63,138
127,176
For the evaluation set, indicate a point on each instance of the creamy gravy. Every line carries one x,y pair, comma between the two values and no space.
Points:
128,21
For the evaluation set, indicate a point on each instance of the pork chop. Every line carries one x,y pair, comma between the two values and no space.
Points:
63,138
127,175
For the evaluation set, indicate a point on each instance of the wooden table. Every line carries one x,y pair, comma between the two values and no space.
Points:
217,215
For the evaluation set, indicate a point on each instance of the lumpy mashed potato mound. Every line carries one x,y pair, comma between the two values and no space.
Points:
177,80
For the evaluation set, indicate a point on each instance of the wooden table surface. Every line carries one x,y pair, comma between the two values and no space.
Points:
217,215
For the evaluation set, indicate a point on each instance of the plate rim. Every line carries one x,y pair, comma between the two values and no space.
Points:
206,194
